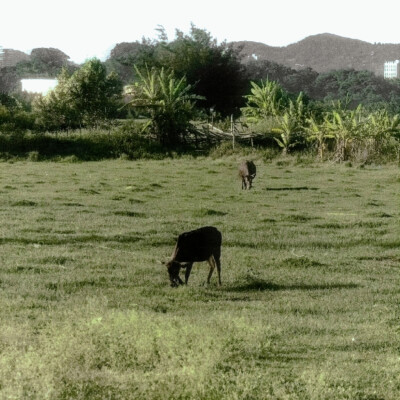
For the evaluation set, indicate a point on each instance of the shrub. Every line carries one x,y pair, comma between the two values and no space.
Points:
33,156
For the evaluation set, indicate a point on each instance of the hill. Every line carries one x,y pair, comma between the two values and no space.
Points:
325,52
11,57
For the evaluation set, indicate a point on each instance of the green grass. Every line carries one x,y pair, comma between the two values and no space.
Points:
309,307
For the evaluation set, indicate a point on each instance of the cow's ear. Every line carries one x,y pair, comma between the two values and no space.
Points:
164,263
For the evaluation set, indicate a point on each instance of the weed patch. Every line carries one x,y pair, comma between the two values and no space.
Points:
300,262
297,218
125,213
209,213
25,203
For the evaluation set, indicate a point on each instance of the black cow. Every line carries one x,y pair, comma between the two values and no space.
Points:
203,244
247,171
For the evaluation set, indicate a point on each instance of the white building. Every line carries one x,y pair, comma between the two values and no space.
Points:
42,86
391,69
1,55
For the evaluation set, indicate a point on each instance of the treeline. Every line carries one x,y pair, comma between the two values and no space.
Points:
41,63
223,76
169,84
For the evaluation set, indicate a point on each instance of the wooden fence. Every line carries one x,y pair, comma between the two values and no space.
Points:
207,133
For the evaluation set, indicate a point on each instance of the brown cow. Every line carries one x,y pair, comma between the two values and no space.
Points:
247,171
203,244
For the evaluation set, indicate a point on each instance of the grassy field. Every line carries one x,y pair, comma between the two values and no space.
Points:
310,302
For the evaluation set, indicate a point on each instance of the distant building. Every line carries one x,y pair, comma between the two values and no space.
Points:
42,86
391,69
1,55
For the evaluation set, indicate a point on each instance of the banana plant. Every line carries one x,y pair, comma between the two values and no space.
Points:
167,100
318,134
286,130
266,100
346,126
381,128
291,125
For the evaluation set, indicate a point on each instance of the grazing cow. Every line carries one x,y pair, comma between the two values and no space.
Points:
203,244
247,171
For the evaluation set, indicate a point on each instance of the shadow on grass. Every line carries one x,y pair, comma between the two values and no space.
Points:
52,240
209,213
291,188
260,285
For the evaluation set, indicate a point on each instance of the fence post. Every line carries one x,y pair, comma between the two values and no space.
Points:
233,132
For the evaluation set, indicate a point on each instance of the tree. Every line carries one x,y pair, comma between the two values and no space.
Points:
214,68
167,101
362,87
291,80
50,58
95,94
124,56
9,80
45,62
86,98
57,110
13,115
261,70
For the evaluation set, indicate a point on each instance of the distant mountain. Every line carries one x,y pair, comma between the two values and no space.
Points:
11,57
325,52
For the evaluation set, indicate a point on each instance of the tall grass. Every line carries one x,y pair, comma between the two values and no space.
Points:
309,303
127,141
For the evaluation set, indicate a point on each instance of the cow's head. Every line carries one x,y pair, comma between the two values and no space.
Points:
173,268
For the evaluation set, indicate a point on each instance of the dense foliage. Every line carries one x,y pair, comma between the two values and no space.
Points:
352,133
215,69
167,101
86,98
46,62
343,114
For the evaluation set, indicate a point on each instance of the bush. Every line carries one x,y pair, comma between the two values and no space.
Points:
124,141
33,156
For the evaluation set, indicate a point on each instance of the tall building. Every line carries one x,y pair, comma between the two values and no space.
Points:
1,56
391,69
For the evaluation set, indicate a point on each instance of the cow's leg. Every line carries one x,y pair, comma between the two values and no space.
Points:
180,280
187,272
212,263
243,183
250,180
218,263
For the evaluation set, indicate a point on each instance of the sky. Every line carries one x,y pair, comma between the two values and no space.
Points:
84,29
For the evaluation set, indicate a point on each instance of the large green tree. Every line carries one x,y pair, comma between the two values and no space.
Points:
86,98
57,110
44,62
124,56
214,68
95,93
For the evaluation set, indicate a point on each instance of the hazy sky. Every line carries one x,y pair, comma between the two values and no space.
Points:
90,28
